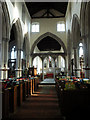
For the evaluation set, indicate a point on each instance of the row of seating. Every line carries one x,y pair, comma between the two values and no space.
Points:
14,92
74,98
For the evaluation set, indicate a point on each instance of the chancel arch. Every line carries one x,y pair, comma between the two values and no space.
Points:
52,36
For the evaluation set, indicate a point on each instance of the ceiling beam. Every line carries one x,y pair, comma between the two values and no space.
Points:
51,13
49,53
44,14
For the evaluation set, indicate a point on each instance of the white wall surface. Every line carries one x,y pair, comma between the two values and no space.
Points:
15,12
48,25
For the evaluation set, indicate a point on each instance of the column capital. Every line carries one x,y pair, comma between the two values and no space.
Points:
5,39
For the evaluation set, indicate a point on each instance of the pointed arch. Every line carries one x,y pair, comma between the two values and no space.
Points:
76,31
19,33
51,35
5,22
82,17
26,40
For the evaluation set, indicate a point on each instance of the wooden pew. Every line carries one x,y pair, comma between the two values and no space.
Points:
12,98
5,103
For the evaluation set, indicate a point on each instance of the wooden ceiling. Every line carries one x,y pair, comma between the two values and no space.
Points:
47,9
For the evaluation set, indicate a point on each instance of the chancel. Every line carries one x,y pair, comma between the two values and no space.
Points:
44,60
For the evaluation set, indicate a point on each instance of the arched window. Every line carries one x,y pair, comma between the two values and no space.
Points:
21,54
35,27
80,49
13,53
61,26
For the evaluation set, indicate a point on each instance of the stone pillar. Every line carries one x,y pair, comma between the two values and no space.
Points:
27,61
89,55
31,61
57,62
85,56
0,58
54,67
69,64
42,68
65,66
18,64
76,62
5,53
4,59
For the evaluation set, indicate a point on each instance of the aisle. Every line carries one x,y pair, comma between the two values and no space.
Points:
48,80
43,105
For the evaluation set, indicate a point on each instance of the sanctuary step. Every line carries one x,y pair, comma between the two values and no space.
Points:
47,81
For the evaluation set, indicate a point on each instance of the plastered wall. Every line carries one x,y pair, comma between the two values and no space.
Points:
48,25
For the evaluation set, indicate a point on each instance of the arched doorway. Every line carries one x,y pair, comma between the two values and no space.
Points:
49,67
37,63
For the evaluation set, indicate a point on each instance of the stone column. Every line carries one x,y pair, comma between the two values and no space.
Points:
57,62
65,66
1,46
5,52
76,61
85,56
27,61
89,55
54,67
18,64
69,64
31,61
42,68
0,58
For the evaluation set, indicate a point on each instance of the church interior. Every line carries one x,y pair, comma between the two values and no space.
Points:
44,60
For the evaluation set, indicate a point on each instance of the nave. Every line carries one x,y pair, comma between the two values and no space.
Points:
38,41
